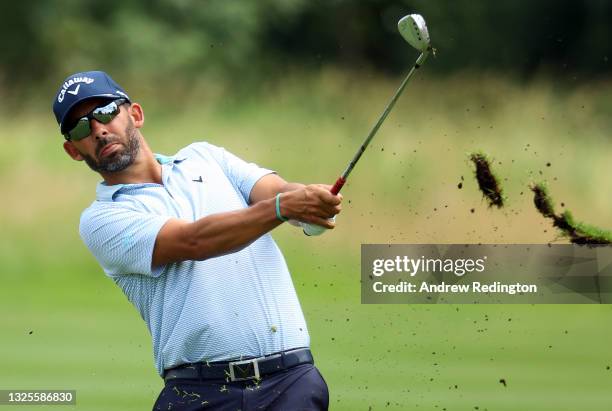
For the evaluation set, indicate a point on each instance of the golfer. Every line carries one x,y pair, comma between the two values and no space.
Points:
186,237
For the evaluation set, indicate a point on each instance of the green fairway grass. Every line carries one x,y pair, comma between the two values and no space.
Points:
64,325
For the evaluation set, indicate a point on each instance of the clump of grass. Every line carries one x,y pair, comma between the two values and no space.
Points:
542,200
578,233
487,180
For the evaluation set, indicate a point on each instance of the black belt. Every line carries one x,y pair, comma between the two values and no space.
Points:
249,369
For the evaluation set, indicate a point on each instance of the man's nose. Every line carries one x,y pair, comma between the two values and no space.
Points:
98,129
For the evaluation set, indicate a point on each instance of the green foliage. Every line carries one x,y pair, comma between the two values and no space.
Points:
166,40
166,37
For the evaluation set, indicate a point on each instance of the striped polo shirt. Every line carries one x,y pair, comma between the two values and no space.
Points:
241,304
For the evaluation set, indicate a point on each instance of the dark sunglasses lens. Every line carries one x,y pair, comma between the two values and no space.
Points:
107,113
104,115
80,131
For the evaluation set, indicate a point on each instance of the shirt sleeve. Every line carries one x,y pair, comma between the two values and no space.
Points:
122,239
243,175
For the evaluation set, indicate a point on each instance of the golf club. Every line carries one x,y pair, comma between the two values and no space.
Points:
414,30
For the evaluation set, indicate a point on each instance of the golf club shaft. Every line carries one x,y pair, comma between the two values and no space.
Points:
342,179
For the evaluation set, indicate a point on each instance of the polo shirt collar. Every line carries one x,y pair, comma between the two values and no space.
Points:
162,159
107,193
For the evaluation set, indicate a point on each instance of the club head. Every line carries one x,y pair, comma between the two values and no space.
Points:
414,30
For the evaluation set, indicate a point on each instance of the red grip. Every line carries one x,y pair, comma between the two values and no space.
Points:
338,185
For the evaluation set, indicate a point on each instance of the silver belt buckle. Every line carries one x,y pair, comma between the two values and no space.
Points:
237,364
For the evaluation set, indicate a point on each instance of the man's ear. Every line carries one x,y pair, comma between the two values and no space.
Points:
72,151
135,111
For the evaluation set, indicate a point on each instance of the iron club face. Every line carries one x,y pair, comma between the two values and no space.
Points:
414,30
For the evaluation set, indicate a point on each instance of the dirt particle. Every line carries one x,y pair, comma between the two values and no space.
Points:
460,186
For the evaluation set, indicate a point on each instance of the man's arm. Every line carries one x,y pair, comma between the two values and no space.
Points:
214,235
228,232
270,185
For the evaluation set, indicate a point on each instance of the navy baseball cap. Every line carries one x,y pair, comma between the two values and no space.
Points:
84,86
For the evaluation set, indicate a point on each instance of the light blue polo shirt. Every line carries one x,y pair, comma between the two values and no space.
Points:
236,305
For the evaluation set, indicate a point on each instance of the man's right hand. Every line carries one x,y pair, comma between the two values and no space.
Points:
313,204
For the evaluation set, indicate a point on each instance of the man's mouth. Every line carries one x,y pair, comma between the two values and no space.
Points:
109,149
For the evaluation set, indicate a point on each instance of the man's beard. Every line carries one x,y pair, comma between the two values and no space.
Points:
120,160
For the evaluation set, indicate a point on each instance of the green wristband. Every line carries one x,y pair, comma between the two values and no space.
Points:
278,213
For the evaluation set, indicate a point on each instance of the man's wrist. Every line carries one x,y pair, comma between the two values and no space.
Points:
278,208
291,187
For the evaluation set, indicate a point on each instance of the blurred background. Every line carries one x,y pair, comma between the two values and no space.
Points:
295,86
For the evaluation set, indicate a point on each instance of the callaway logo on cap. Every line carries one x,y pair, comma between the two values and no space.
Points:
84,86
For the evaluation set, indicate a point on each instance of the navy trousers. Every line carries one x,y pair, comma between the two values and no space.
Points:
299,388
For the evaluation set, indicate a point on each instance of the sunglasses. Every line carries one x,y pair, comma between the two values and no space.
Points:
104,114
